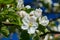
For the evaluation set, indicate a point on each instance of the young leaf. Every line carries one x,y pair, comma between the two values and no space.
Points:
5,31
24,36
41,28
36,37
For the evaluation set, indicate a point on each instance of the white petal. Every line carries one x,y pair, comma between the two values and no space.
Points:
8,6
7,21
35,25
59,28
33,19
26,19
22,13
51,37
31,30
32,13
43,21
46,37
48,1
40,19
44,18
24,27
37,31
55,28
56,4
20,4
38,12
58,20
28,6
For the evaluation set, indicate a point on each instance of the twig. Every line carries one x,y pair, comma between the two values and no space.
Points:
52,32
9,24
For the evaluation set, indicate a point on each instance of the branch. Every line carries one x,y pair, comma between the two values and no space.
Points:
52,32
9,24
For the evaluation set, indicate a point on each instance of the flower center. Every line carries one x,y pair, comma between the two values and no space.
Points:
30,24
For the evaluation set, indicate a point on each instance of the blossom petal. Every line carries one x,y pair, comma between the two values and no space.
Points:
35,25
25,19
24,27
31,30
20,4
59,27
33,19
22,13
38,12
43,21
28,6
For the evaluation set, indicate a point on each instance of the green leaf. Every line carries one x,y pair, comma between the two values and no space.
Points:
5,31
36,37
24,35
6,1
13,18
41,28
28,10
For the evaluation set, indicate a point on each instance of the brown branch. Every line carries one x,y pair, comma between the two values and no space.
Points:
9,24
52,32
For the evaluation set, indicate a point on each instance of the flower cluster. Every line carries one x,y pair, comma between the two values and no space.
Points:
20,4
30,20
48,1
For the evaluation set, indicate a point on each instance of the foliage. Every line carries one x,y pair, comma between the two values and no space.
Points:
10,20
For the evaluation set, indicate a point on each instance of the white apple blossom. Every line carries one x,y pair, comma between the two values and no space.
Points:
51,37
22,14
37,31
54,28
43,21
20,4
59,27
7,20
58,20
8,6
40,4
28,6
46,37
29,24
56,4
37,13
48,1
